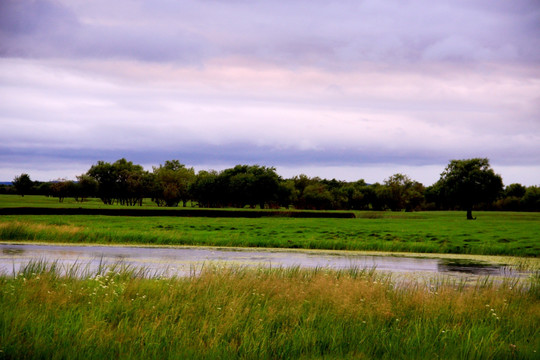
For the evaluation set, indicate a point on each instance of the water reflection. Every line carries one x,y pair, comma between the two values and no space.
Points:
470,267
12,251
179,261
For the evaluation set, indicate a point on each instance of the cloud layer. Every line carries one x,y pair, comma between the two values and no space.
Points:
292,84
288,33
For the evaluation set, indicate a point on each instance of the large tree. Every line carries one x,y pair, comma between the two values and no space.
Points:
172,183
469,182
105,175
23,184
250,185
123,181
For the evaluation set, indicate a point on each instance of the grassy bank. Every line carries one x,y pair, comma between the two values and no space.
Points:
264,314
493,233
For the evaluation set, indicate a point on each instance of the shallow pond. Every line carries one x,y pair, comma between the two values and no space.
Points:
168,261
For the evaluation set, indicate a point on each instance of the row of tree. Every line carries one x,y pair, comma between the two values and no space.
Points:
464,184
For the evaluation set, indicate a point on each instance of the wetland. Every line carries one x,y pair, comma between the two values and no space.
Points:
181,261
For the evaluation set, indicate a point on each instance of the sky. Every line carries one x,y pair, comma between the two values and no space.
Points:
350,89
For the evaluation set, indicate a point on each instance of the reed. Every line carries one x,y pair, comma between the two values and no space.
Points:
262,313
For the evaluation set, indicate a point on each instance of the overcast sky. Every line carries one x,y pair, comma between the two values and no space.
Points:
336,89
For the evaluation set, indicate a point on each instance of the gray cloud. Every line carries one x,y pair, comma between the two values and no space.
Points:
294,33
36,28
35,17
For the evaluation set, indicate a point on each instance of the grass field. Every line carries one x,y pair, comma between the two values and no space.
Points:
493,233
264,314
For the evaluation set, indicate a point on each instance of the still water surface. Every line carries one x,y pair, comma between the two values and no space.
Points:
180,261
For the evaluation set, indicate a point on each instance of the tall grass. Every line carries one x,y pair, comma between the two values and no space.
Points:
263,314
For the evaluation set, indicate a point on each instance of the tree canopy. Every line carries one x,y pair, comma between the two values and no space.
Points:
469,182
172,182
22,184
123,181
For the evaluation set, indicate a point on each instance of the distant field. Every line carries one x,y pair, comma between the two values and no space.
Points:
44,201
493,233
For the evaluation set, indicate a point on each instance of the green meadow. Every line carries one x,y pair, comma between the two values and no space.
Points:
493,233
263,314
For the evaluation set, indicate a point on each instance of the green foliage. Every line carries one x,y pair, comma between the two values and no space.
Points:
469,182
465,184
403,193
515,190
172,183
531,198
207,189
62,188
317,197
23,184
250,185
86,187
359,195
7,189
123,181
243,185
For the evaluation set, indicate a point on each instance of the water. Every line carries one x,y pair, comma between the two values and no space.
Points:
180,261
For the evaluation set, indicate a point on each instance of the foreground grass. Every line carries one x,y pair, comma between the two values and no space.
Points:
493,233
263,314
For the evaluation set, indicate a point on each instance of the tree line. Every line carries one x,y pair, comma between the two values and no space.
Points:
464,184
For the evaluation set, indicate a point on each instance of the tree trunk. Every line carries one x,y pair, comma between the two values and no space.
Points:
469,215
